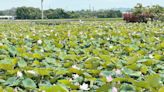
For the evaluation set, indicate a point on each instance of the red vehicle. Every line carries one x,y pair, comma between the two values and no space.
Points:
130,17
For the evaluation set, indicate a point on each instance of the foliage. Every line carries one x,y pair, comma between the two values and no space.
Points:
8,12
82,57
56,13
35,13
155,12
28,13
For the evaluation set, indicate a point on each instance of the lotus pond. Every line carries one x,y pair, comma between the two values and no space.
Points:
82,57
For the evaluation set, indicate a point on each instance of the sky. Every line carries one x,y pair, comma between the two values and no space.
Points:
78,4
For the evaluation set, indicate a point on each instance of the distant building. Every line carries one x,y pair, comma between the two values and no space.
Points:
7,18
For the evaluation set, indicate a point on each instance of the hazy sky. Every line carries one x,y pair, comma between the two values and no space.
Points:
77,4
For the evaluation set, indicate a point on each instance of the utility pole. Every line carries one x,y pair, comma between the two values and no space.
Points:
42,10
90,7
93,8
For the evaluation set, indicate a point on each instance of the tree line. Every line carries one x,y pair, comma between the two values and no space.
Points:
8,12
35,13
156,11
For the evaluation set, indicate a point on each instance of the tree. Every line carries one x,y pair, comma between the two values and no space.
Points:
1,13
138,9
154,12
42,9
56,13
28,13
73,14
8,12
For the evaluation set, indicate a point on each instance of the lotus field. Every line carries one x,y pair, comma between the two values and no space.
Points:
82,57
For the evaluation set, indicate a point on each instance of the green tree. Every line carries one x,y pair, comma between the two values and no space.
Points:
158,12
56,14
138,9
28,13
1,13
153,12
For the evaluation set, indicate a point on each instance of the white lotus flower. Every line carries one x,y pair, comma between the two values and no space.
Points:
16,89
44,36
118,71
108,38
74,66
27,36
32,72
157,38
114,89
1,44
19,74
84,87
81,33
70,79
52,31
39,41
92,38
77,84
109,78
151,56
69,33
111,47
56,34
75,76
48,34
101,74
42,50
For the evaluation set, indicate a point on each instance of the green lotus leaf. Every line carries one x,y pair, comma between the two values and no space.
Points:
22,63
68,64
92,63
29,83
153,80
94,72
12,81
142,84
104,88
133,66
1,89
161,89
37,56
42,71
58,45
62,71
57,88
70,57
68,83
127,88
50,60
9,89
144,69
132,60
105,58
73,70
7,66
107,73
131,72
12,50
